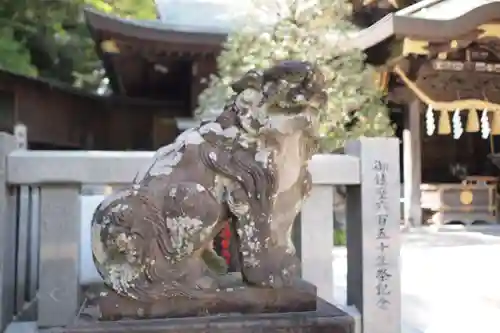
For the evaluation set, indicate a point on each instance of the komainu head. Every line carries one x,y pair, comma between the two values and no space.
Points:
287,97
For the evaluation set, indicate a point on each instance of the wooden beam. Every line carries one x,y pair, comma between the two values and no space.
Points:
466,104
482,20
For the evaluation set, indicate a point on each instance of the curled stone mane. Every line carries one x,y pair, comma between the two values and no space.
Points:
238,164
257,182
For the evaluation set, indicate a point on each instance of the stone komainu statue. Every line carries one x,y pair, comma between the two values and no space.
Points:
152,240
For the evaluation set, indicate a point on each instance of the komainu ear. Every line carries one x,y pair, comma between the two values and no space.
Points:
251,79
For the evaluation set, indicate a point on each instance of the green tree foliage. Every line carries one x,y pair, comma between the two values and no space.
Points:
49,38
138,9
313,31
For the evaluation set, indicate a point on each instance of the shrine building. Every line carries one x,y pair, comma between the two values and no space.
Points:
443,72
61,117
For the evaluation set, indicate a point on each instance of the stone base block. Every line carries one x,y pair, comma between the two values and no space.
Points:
325,319
234,298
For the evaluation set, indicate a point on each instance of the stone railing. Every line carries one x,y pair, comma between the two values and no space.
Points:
42,246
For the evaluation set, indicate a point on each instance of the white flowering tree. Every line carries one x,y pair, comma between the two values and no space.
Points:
313,30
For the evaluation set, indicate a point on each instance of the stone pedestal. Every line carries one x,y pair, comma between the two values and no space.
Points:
232,300
325,319
235,309
234,297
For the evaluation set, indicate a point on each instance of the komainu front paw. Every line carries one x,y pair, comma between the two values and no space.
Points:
275,269
214,262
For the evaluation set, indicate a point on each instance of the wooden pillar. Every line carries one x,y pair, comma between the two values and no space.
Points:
412,164
201,70
195,84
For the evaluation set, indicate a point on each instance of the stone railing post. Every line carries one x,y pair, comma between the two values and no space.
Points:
373,235
317,240
7,235
23,228
58,300
315,233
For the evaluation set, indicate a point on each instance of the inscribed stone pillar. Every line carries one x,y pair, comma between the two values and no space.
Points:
373,235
